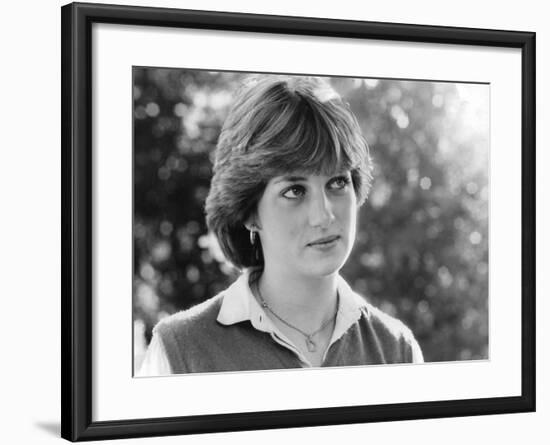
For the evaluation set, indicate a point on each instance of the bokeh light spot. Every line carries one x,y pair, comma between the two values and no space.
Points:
166,228
475,237
401,118
425,183
371,83
147,298
437,100
193,274
472,188
161,251
412,176
152,109
140,113
164,173
147,272
445,276
180,109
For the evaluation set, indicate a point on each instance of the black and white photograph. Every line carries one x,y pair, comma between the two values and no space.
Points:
277,222
266,223
286,220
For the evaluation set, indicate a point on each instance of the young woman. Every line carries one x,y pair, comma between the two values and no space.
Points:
291,171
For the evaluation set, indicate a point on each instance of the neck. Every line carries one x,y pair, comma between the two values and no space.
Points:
305,301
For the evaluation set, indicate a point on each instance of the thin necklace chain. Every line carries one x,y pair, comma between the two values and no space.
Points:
311,345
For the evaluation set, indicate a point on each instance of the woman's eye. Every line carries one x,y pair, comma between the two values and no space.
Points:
339,183
294,192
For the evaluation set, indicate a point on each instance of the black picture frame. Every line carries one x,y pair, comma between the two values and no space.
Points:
76,230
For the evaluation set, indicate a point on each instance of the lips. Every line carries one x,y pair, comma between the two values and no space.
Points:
325,240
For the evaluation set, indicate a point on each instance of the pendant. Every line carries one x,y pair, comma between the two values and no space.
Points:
311,346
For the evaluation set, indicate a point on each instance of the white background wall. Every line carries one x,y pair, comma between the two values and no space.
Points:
30,221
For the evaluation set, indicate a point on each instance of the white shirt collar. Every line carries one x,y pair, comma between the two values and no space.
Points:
239,304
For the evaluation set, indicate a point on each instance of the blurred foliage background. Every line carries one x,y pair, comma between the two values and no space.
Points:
421,252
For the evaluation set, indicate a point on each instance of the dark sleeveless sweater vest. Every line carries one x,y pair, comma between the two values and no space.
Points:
196,342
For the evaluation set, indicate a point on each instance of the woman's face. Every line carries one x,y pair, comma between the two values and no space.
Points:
307,223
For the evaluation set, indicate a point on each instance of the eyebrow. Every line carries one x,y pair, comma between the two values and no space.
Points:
290,178
297,178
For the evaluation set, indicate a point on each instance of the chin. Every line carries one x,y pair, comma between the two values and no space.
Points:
325,268
324,264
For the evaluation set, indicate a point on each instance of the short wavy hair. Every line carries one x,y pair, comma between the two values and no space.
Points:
279,124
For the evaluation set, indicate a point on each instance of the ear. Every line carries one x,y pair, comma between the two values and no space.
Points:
251,222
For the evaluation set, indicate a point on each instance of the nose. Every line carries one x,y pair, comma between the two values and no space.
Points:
320,211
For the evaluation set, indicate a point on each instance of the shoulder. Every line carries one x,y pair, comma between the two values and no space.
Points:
201,316
185,334
384,322
393,335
